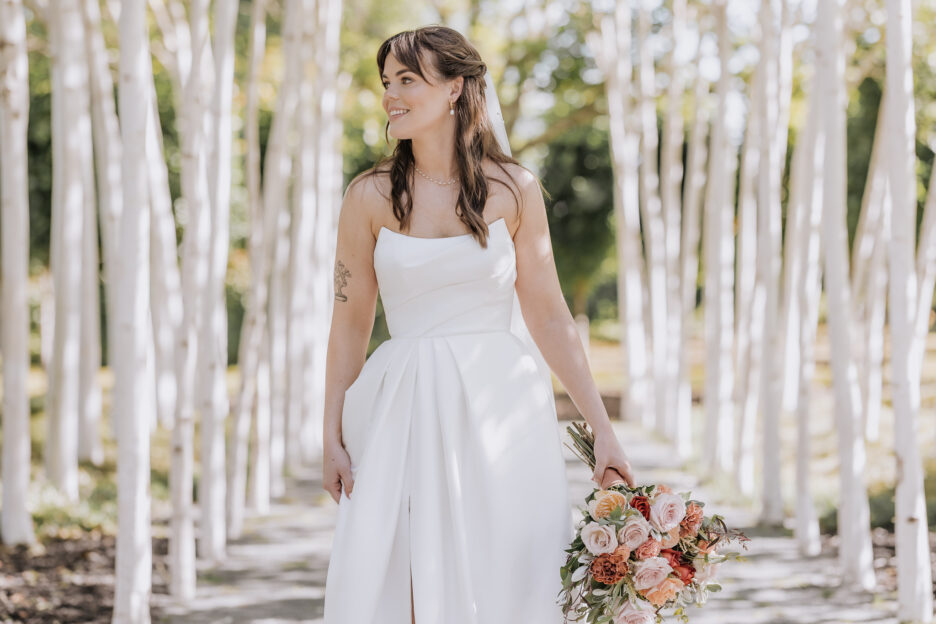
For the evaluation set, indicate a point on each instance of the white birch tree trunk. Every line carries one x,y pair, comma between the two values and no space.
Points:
651,216
914,572
280,246
853,513
748,320
70,89
166,283
670,196
329,188
15,521
195,272
133,575
614,45
809,291
215,403
800,308
105,131
718,246
89,387
867,270
768,268
248,357
692,197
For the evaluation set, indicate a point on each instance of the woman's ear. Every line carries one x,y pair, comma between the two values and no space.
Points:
457,85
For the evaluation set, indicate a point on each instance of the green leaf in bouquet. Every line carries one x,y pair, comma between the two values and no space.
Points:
713,587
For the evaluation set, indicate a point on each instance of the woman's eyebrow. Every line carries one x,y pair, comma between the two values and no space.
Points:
398,73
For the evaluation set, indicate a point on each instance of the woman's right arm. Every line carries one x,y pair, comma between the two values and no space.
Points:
352,321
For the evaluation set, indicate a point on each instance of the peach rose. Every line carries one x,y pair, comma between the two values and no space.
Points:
629,613
693,520
664,592
667,512
605,502
609,568
663,489
650,548
635,531
650,572
599,538
671,538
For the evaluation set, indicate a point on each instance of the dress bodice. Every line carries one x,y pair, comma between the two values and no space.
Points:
446,285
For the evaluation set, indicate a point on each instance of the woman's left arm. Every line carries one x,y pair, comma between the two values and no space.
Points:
553,329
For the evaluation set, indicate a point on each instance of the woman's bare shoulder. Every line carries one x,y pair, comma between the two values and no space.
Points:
368,195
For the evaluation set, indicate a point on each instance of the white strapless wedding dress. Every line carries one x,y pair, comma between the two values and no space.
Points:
455,450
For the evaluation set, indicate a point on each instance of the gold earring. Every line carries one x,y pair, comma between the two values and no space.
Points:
451,108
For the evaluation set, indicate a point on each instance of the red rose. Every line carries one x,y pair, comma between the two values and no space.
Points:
685,572
641,504
673,557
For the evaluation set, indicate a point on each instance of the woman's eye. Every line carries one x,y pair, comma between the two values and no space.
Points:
385,83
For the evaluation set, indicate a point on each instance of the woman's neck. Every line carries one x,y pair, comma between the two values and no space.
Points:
435,156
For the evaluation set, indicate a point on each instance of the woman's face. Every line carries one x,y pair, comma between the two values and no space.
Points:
426,105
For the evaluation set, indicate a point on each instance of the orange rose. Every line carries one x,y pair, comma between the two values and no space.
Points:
693,520
647,550
607,501
663,489
664,592
609,568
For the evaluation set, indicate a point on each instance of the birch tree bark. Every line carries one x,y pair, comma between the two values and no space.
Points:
914,573
214,407
15,521
70,89
251,336
768,267
330,188
853,513
166,283
692,197
651,216
800,308
105,131
748,320
280,261
195,273
612,50
670,196
133,575
718,246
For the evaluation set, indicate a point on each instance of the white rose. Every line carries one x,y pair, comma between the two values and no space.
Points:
651,572
599,538
630,613
666,512
635,532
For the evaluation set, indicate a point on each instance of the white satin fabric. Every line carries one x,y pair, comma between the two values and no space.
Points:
455,450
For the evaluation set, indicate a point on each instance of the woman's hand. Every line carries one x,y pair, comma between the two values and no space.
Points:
336,469
611,465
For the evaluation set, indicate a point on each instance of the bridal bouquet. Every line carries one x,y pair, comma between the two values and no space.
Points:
638,551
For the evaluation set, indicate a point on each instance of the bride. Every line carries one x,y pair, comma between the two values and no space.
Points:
444,441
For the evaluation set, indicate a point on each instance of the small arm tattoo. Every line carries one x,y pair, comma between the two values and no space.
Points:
341,280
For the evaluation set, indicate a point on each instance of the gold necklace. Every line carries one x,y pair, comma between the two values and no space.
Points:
430,178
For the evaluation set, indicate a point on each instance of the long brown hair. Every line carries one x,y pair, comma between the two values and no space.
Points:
474,136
